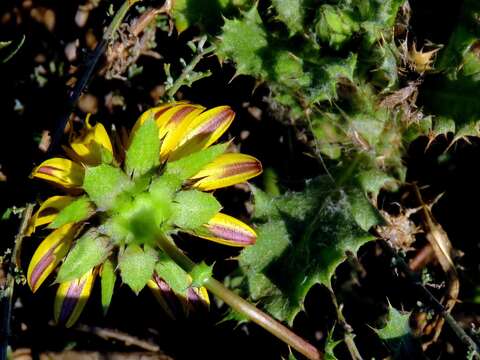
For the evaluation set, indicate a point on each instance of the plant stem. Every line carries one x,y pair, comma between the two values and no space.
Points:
182,79
6,294
87,74
118,18
347,329
433,302
13,50
240,305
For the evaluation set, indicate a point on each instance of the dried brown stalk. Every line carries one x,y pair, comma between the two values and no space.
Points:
127,339
133,41
442,248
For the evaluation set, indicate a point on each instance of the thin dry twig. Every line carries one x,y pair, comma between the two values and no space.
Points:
430,300
127,339
422,258
133,42
348,334
95,355
442,248
89,68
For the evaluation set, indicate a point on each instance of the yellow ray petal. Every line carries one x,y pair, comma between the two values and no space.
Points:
204,130
48,254
227,230
47,212
203,293
71,298
195,300
152,113
226,170
198,295
164,295
173,124
89,144
60,171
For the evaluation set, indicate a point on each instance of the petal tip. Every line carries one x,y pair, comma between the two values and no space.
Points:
228,230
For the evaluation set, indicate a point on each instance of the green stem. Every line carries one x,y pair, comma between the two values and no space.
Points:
12,50
347,329
240,305
182,79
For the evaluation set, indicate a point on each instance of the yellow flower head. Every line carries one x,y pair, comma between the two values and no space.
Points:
119,202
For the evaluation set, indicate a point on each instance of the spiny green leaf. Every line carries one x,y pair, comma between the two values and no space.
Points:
453,93
304,239
89,251
190,165
193,208
264,204
285,68
454,99
330,346
365,215
329,135
370,128
200,274
458,49
296,75
247,43
79,210
378,20
383,60
164,187
325,76
243,41
115,229
398,336
137,266
425,127
443,126
372,181
385,11
104,183
108,278
143,154
335,25
205,14
373,132
291,12
397,325
173,274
